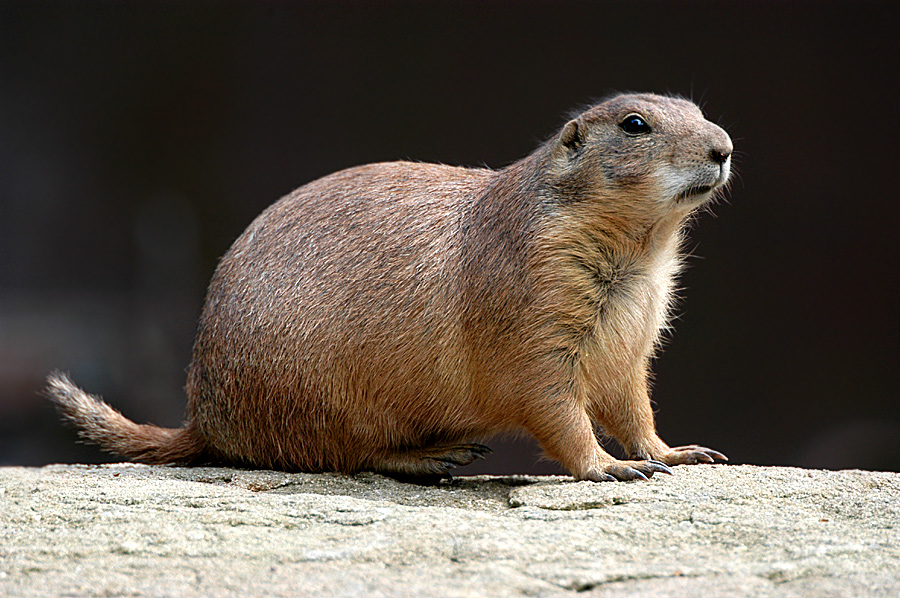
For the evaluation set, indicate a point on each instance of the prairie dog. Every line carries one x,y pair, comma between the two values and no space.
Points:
387,316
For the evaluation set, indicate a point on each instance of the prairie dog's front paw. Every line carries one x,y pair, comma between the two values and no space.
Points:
691,454
626,470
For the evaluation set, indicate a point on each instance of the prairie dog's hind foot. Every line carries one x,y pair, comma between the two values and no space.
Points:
429,464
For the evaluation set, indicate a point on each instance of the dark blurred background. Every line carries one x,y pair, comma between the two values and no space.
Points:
137,140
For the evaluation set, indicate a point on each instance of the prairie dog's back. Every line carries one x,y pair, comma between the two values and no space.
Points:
354,275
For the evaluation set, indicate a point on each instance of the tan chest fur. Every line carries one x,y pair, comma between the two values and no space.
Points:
633,304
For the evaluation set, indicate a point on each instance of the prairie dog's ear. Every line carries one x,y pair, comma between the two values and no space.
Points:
570,139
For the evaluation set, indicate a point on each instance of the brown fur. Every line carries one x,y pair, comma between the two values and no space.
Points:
383,317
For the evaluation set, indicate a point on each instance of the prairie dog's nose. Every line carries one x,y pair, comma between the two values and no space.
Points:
720,155
721,148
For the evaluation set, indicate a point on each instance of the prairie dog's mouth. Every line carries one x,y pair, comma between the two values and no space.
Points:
694,191
694,185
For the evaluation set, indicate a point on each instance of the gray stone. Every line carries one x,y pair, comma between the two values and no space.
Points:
713,530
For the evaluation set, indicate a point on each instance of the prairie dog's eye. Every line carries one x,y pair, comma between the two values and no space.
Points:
634,124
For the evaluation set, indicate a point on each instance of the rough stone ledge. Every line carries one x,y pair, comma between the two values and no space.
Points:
712,530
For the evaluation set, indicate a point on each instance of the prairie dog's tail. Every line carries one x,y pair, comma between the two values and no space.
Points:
100,424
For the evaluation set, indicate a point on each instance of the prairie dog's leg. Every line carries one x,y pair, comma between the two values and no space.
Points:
428,462
626,414
565,432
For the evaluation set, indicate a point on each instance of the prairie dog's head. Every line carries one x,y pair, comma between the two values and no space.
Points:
654,152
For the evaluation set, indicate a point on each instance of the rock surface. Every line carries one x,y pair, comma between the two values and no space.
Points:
713,530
